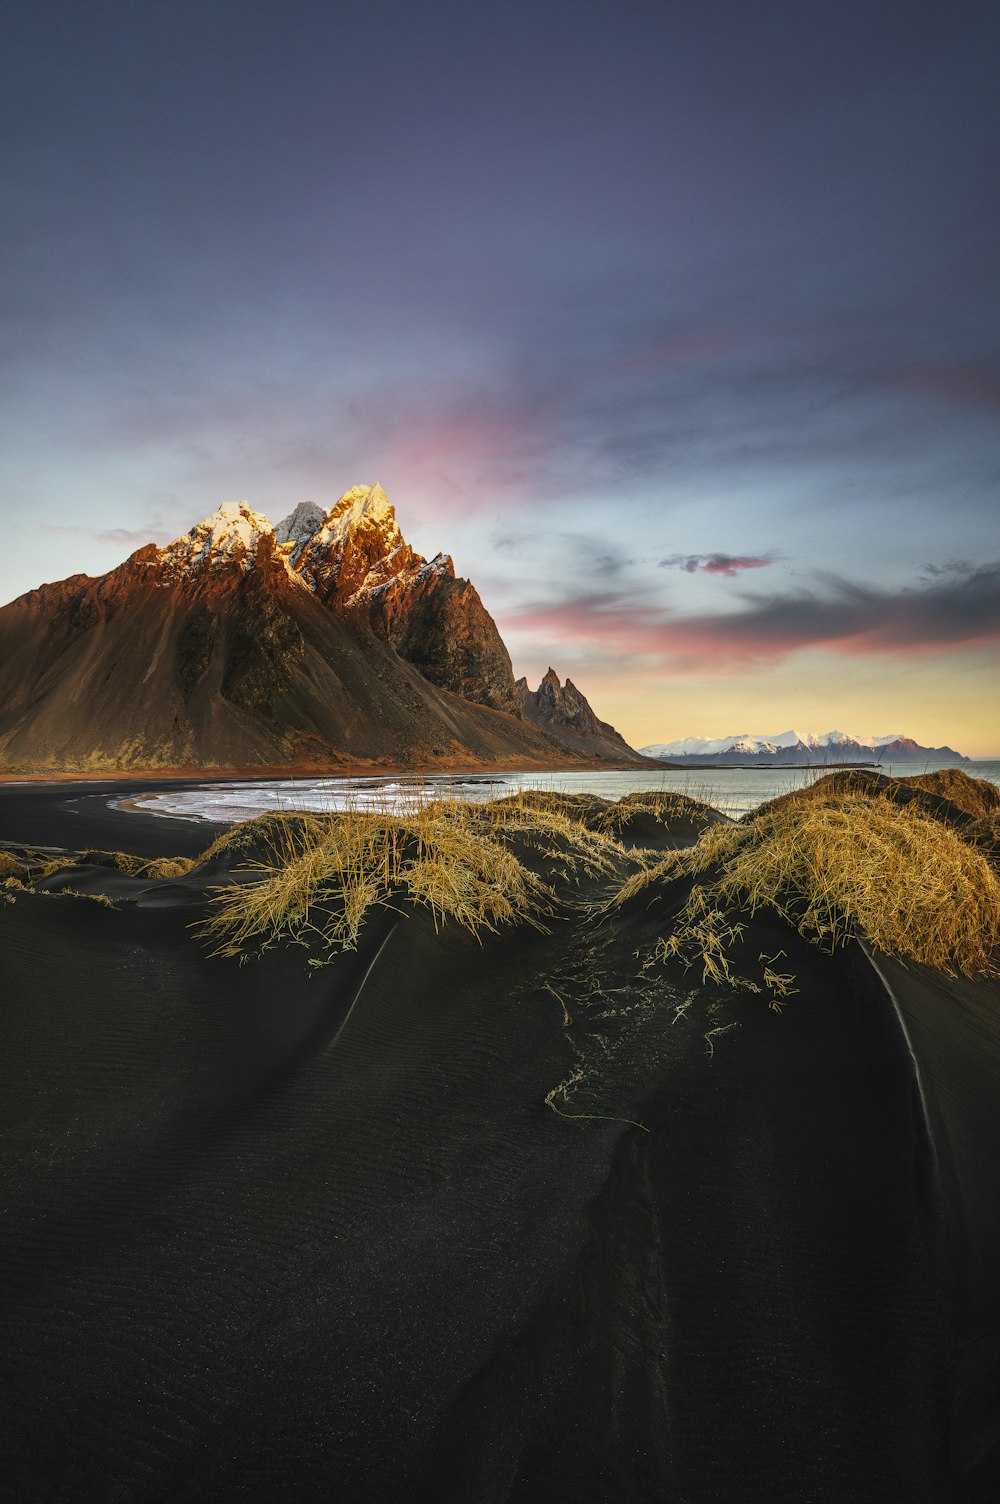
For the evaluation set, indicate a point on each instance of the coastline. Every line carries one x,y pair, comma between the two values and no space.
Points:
76,815
356,769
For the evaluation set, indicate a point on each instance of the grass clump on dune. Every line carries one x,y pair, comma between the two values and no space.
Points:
155,870
834,865
37,865
565,831
974,796
665,808
316,878
11,866
611,818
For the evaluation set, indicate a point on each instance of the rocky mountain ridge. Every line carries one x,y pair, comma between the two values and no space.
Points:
358,563
564,712
355,560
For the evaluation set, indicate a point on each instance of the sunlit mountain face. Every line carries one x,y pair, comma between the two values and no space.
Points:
323,642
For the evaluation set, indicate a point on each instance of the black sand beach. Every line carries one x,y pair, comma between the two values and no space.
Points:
275,1231
76,816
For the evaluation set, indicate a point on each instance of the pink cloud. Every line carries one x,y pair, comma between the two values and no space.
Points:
729,565
856,620
725,564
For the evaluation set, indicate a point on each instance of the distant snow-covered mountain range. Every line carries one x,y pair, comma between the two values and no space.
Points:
793,747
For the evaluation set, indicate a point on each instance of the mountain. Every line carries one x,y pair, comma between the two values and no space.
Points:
565,713
796,747
324,642
358,563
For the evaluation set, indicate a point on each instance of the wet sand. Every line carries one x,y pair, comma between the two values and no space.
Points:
279,1232
76,815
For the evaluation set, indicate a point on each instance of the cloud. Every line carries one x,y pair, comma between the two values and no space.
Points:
950,610
952,567
975,383
156,528
136,536
727,564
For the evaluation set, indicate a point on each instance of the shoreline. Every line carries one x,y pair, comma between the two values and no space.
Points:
75,813
270,774
267,774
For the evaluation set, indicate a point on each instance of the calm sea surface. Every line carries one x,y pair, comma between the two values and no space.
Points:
732,790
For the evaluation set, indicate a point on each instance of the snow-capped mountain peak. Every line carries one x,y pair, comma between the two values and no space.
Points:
309,540
696,746
357,548
361,506
229,535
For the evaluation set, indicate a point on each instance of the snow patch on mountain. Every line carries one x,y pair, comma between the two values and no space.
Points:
361,506
357,544
229,535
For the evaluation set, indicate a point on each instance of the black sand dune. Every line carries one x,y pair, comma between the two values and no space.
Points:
953,1026
279,1232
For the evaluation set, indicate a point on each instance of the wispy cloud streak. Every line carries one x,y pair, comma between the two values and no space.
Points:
949,611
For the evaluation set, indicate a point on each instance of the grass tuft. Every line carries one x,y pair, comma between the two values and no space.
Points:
833,865
316,878
11,866
974,796
136,866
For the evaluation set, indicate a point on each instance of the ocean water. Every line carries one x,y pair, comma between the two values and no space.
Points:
734,791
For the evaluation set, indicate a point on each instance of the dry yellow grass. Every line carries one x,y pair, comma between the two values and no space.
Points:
32,865
568,834
317,877
985,835
137,866
833,866
611,817
973,795
36,864
99,898
664,807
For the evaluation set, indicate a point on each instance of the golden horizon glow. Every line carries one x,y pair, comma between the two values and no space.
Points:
947,700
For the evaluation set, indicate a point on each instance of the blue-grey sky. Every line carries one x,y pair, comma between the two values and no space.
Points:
604,295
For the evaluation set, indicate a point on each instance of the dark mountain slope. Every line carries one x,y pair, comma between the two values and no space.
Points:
562,711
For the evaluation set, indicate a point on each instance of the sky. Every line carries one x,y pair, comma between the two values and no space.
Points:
676,324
